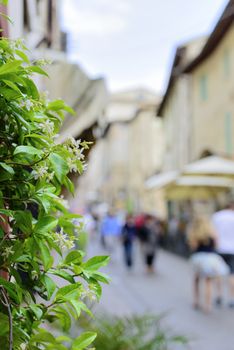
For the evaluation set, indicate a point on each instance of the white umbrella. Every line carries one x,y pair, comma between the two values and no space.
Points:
198,187
212,165
161,180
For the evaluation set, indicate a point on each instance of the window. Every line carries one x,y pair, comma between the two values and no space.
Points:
228,133
226,63
203,87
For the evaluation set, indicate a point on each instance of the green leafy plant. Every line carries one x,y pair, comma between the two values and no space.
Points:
36,228
133,333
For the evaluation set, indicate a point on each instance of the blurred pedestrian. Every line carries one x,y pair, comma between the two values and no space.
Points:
172,230
149,241
110,232
207,264
128,235
223,222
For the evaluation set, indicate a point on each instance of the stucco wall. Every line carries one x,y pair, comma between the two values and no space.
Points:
208,116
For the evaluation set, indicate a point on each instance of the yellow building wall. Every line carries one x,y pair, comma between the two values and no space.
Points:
213,117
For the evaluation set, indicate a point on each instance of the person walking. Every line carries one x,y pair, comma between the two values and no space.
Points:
128,234
207,264
110,233
223,222
149,241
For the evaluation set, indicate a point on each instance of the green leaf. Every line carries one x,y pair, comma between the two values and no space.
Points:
31,88
36,310
45,224
12,86
10,94
84,340
27,149
63,274
80,306
13,290
63,338
8,168
63,317
95,263
43,337
49,284
101,277
46,256
37,69
10,67
59,166
69,292
69,185
4,324
58,105
95,287
22,55
23,220
74,257
2,233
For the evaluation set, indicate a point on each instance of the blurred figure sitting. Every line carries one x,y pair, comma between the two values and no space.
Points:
110,232
128,235
223,222
207,264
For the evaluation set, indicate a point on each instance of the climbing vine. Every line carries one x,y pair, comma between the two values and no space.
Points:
44,280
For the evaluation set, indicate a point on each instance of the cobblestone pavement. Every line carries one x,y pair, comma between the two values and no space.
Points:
167,291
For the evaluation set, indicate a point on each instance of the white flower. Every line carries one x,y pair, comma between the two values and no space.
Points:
7,252
47,127
72,166
63,240
50,176
43,62
40,172
27,104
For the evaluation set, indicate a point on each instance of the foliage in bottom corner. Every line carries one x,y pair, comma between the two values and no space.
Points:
34,168
133,333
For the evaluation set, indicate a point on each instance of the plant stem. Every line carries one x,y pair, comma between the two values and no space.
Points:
6,303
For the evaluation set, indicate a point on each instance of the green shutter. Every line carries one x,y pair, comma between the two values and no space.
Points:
228,133
226,63
203,87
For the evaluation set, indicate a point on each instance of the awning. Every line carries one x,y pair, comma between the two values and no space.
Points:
208,181
198,187
212,165
161,180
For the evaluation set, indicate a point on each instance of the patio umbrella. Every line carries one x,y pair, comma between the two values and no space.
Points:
212,165
198,187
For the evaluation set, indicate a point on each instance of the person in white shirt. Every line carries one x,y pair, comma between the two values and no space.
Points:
223,222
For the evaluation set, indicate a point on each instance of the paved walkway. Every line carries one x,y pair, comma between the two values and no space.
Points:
168,291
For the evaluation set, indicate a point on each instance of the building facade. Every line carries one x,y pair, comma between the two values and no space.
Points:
212,91
129,150
198,106
176,109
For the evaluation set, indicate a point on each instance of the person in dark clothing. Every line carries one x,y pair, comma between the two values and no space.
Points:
128,235
150,241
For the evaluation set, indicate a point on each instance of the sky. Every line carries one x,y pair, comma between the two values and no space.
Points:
132,42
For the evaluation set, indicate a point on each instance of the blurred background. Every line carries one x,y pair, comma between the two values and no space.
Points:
152,85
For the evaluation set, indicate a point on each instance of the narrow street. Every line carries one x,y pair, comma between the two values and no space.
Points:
167,292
